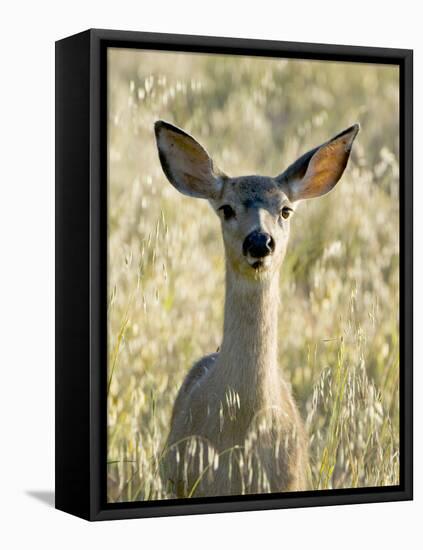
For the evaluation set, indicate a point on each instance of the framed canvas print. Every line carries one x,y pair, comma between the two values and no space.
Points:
233,274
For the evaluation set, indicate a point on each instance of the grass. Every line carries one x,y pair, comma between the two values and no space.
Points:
338,340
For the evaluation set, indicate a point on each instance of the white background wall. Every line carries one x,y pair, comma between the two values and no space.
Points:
28,32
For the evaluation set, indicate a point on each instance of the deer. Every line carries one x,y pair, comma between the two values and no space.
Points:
235,427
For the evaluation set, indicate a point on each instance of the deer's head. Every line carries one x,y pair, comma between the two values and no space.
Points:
255,211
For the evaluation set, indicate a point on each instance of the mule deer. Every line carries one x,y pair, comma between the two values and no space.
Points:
235,427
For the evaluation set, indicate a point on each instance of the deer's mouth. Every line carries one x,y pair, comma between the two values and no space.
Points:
258,264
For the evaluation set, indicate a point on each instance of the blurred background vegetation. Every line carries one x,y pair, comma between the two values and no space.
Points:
338,330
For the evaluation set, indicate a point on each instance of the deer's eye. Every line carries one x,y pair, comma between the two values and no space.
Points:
228,211
286,212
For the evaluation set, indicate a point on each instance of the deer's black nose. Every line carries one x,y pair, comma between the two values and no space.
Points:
258,244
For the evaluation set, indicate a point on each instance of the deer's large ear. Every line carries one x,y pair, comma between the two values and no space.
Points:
318,171
185,162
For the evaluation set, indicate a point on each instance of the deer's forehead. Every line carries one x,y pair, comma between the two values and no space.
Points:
252,190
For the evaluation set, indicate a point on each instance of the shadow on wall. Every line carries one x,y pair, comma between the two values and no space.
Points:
46,497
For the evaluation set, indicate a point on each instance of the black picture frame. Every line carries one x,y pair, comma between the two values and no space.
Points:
81,272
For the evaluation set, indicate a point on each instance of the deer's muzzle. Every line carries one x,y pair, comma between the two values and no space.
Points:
258,244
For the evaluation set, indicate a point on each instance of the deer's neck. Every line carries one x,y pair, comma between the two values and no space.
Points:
248,356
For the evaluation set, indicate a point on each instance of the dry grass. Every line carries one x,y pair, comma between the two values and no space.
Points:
338,340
